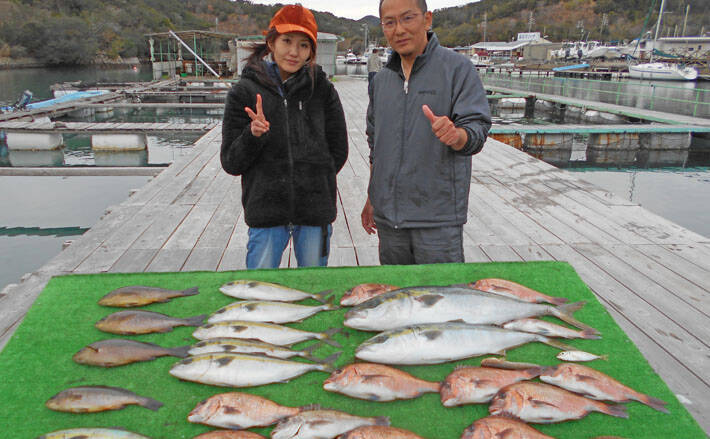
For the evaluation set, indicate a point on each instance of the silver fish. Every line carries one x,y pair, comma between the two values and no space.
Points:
442,342
242,346
92,433
258,290
549,329
91,399
321,424
268,332
267,311
243,370
575,355
420,305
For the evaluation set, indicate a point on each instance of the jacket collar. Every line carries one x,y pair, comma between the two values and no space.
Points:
395,62
271,79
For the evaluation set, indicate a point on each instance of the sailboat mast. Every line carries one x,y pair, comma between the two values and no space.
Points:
658,26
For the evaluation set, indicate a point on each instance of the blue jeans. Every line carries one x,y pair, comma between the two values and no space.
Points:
266,245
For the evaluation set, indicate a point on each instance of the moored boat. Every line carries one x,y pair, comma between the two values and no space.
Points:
663,71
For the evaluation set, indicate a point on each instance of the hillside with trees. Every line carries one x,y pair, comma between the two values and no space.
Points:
87,31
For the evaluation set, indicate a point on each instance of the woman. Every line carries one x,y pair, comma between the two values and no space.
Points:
284,133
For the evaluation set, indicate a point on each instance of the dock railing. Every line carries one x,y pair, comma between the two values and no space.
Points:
687,98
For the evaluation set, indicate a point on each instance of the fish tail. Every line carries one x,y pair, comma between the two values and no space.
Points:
180,351
190,291
604,357
320,296
564,313
590,335
557,344
150,403
195,321
505,364
382,420
327,337
329,362
616,410
329,302
654,403
557,300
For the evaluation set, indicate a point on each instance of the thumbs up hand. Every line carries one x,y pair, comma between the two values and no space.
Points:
445,130
259,124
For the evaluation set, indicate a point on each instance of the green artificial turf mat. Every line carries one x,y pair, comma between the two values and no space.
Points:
37,362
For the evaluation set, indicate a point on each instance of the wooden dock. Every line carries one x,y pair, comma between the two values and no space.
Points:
105,127
651,274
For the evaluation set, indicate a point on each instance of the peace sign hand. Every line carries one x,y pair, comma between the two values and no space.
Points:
259,124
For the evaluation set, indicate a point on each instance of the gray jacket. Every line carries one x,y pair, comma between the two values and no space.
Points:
417,181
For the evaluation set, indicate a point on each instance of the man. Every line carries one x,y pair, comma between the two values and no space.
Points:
428,114
374,65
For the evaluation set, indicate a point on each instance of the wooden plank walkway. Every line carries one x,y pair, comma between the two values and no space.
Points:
104,127
651,274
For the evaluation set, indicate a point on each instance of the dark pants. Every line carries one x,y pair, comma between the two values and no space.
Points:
370,76
421,245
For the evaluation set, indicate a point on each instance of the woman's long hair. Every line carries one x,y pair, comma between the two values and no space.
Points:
259,51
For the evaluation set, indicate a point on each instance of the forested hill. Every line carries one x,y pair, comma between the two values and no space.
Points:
82,31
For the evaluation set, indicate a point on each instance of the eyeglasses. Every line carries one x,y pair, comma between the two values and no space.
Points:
406,20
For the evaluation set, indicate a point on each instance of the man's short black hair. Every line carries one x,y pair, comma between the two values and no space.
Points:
420,3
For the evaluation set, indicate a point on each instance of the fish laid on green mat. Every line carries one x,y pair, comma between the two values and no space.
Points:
363,292
133,322
229,434
377,382
268,311
478,385
379,432
237,410
246,346
322,424
91,399
575,355
549,329
516,291
501,427
257,290
268,332
127,297
92,433
117,352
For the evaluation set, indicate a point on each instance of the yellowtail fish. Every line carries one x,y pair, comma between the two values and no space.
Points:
243,370
363,292
268,332
243,346
229,434
268,311
138,295
476,385
91,399
544,404
443,342
574,355
257,290
596,385
236,410
92,433
423,305
516,291
549,329
117,352
377,382
311,424
379,432
133,322
494,427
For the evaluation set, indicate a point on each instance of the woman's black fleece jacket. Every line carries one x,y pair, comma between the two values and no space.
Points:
288,174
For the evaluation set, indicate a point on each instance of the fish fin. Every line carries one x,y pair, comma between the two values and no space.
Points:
190,291
373,397
328,337
541,403
195,321
320,296
582,377
432,334
429,299
373,376
604,357
616,410
654,403
308,351
456,321
557,300
590,335
309,407
180,351
382,420
557,344
151,404
564,313
329,362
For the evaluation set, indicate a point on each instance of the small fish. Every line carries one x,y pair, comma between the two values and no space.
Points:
516,291
377,382
549,329
504,364
91,399
494,427
573,355
92,433
127,297
236,410
117,352
379,432
321,424
243,346
267,311
596,385
134,322
476,385
257,290
544,404
229,434
363,292
243,370
268,332
442,342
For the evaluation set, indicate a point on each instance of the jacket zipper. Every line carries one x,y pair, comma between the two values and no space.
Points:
401,149
291,194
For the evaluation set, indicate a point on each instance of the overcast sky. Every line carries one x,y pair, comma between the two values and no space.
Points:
356,9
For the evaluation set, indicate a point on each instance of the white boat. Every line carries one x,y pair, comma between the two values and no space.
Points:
664,71
351,58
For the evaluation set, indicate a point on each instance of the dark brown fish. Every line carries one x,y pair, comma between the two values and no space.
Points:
497,427
132,322
117,352
138,295
91,399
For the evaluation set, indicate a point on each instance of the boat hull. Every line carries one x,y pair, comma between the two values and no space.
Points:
657,71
